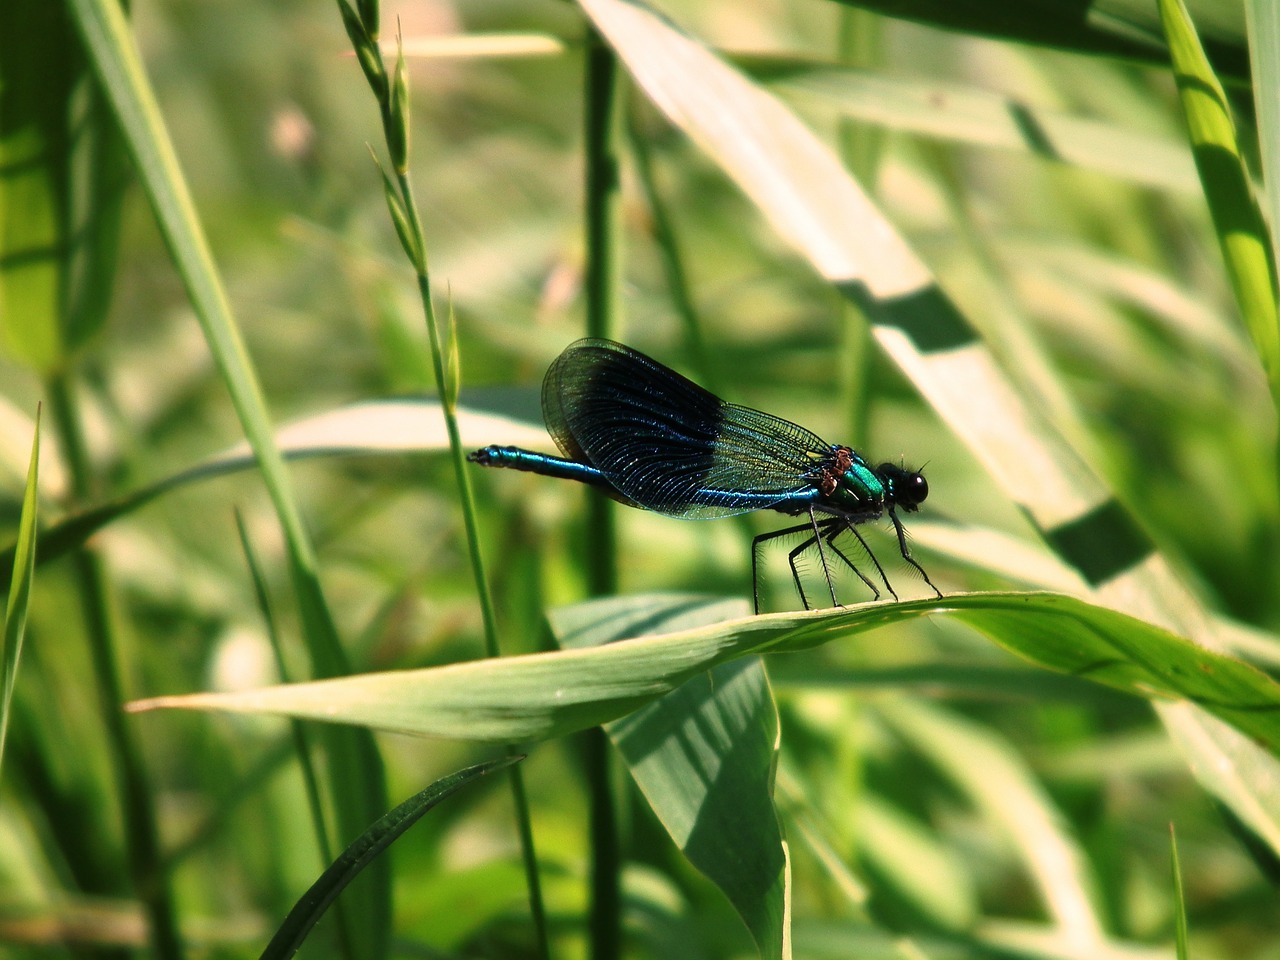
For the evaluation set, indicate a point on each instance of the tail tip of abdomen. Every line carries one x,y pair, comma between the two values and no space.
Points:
486,456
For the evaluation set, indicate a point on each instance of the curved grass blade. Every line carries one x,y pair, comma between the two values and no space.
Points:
15,618
544,695
1242,234
369,428
368,846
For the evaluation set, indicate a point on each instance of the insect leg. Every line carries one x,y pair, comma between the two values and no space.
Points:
793,556
879,569
906,554
822,555
837,526
755,556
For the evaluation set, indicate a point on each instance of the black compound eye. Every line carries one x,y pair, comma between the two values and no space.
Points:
915,489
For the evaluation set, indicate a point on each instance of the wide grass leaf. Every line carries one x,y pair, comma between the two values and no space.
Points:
544,695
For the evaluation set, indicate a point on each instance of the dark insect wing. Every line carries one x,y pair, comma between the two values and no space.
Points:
642,433
768,447
665,442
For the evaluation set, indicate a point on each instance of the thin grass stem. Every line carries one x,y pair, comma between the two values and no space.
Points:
391,93
603,111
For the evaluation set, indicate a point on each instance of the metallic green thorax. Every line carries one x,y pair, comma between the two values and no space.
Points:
847,484
863,482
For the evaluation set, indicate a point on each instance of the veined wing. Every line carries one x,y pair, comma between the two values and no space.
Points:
665,442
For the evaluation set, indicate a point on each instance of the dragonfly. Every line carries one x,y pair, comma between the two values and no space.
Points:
651,438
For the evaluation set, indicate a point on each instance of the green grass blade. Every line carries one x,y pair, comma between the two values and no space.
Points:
356,786
1242,233
543,695
363,851
1179,897
602,106
711,788
15,617
602,123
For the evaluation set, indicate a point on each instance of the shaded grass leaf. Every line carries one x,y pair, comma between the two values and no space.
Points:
704,757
